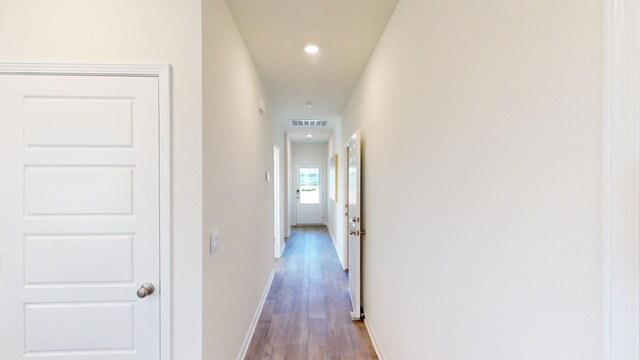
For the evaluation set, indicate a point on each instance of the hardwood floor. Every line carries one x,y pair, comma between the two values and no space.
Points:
306,314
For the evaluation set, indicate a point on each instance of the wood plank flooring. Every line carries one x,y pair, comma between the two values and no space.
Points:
306,314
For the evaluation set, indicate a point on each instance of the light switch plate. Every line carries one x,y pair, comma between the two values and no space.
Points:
214,241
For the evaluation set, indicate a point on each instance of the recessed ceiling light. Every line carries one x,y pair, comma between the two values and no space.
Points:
309,104
311,49
309,135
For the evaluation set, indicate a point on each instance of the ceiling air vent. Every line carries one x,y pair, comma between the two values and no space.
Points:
309,123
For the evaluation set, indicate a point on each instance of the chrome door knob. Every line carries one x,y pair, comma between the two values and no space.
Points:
145,290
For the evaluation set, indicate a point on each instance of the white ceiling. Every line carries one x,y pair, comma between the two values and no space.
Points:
276,32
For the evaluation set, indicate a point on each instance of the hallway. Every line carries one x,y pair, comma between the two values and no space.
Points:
476,163
306,314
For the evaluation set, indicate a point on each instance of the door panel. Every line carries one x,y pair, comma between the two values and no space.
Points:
87,258
110,329
79,221
354,223
309,195
95,122
78,190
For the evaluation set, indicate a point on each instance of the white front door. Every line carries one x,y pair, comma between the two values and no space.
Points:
79,217
309,195
354,222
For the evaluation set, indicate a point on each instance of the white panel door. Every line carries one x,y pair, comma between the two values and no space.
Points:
79,217
309,195
354,223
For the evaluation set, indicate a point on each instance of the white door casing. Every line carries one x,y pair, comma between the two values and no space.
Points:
354,222
277,200
621,181
84,212
309,197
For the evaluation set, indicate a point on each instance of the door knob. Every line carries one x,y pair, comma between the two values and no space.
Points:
145,290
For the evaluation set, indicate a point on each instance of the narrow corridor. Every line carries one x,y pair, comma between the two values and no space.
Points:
306,314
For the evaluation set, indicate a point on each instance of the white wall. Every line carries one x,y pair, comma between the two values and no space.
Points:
238,151
309,153
482,135
135,32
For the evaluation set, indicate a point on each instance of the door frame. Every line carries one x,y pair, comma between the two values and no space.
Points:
295,186
163,74
277,202
621,181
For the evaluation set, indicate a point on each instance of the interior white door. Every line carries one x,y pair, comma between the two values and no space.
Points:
354,223
79,217
309,195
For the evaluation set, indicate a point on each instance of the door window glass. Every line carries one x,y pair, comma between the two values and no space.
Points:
310,186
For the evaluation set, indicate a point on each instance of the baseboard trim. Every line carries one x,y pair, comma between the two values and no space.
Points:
331,235
374,340
256,317
335,247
